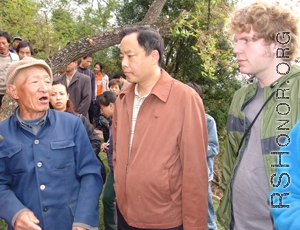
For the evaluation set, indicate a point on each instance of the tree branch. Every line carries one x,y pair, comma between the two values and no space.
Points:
100,41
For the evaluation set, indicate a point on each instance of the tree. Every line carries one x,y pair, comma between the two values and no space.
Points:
92,44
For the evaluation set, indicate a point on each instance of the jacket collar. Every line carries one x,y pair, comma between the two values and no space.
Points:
50,117
161,89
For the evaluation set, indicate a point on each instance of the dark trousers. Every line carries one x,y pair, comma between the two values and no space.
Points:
109,203
97,115
105,132
122,224
91,112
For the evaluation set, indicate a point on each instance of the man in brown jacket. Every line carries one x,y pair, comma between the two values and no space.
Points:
160,142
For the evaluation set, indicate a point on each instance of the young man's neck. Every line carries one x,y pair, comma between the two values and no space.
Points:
271,75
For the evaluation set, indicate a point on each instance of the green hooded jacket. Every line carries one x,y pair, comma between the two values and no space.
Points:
278,117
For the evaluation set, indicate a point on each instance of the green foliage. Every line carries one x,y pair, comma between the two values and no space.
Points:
201,52
16,16
126,14
110,58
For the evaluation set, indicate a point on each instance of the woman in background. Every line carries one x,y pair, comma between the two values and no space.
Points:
59,100
101,85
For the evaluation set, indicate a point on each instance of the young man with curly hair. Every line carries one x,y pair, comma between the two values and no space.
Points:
266,42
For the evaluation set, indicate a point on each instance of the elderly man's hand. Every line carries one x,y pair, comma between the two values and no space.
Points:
27,221
78,228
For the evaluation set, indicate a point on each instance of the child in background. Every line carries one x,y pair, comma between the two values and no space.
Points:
107,104
115,86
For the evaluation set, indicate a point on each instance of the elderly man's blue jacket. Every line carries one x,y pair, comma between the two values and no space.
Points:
55,174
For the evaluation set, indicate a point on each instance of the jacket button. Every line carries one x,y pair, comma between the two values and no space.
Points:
42,187
39,164
36,142
45,209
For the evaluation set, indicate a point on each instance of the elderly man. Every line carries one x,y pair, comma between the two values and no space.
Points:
6,58
49,174
160,168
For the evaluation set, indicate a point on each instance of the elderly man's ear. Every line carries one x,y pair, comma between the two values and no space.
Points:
12,90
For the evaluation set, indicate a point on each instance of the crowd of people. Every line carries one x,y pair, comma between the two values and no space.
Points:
160,142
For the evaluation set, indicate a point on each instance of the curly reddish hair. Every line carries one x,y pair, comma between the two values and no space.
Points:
267,20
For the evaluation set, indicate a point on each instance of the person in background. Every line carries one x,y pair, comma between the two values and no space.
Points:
115,86
107,104
24,49
59,100
83,68
122,80
261,113
47,164
212,151
160,168
101,86
79,87
58,76
15,44
6,58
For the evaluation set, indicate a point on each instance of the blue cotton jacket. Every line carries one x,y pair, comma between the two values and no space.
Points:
213,145
55,174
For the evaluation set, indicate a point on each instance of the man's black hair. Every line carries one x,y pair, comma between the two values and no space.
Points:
148,38
23,44
6,35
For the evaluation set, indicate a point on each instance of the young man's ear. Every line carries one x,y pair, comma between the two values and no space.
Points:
12,90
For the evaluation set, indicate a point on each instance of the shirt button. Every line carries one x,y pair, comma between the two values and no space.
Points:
39,164
36,142
45,209
42,187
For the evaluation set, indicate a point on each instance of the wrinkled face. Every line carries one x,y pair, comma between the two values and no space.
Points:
85,63
137,67
107,111
97,69
31,89
253,56
3,46
59,97
115,89
24,52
